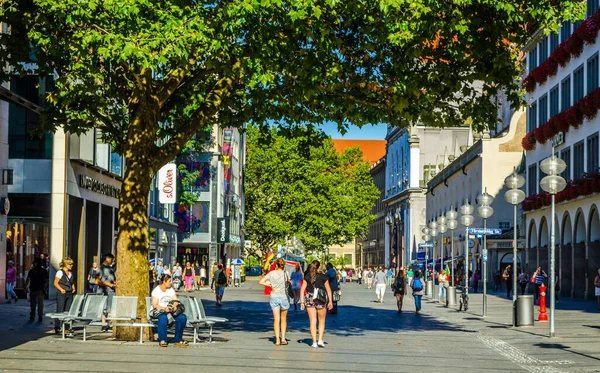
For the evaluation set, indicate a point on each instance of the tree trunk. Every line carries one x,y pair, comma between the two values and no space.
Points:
132,241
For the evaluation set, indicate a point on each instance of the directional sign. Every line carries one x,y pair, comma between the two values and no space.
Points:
484,256
425,245
420,255
487,231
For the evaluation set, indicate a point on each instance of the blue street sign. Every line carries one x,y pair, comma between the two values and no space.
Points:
425,245
487,231
420,255
484,256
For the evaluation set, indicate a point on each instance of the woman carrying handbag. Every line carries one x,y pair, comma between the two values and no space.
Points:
317,298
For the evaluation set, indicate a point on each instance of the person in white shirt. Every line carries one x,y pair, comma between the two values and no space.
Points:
344,275
165,300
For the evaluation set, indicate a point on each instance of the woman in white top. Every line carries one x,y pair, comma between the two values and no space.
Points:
278,280
63,282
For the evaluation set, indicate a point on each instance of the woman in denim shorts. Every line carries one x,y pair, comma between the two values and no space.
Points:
278,280
317,311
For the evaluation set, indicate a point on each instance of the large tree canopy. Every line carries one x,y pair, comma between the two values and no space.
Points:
151,73
301,186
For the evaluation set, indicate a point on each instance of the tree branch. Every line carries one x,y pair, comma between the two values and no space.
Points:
172,80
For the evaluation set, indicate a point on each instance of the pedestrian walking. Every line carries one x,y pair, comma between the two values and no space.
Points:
107,282
399,288
92,278
202,276
278,281
442,286
316,297
380,281
177,276
540,278
597,288
370,275
475,279
196,267
188,273
389,277
63,282
508,277
523,280
36,283
410,274
334,284
344,275
11,282
165,304
359,276
350,275
297,278
219,283
417,287
166,270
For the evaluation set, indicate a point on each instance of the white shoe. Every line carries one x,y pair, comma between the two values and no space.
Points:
321,344
314,345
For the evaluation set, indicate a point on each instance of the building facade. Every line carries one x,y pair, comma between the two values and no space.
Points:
481,167
413,156
562,120
370,251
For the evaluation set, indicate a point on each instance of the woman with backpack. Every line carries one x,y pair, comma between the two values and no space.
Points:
317,298
417,286
399,287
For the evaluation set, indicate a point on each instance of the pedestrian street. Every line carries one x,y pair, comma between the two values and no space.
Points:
363,337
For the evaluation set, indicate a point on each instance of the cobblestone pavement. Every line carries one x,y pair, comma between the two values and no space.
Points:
363,337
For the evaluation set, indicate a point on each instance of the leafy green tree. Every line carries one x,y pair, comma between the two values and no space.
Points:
301,186
150,74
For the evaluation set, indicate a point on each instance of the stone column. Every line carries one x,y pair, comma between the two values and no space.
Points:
58,230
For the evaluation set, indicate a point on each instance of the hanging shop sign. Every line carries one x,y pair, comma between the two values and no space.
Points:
167,184
222,230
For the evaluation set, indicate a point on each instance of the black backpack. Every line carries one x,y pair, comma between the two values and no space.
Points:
222,278
398,285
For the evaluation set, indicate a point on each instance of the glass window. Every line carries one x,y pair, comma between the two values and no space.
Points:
592,153
532,117
23,143
576,25
578,160
116,163
565,93
543,50
565,155
592,73
578,84
532,180
102,151
543,110
553,42
533,58
554,106
592,7
565,31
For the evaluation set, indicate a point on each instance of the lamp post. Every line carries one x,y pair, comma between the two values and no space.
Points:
452,224
433,232
466,219
514,196
399,248
553,183
441,220
485,211
426,237
389,220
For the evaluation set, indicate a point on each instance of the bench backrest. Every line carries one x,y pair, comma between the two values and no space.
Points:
200,307
124,307
94,307
190,310
76,305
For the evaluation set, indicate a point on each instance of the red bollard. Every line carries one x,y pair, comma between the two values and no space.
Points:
543,316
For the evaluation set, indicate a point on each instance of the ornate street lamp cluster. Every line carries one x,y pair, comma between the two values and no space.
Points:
466,219
485,211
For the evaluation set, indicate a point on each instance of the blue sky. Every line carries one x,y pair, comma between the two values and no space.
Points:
368,132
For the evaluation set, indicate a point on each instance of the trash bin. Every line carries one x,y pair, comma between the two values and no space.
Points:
429,288
451,294
524,310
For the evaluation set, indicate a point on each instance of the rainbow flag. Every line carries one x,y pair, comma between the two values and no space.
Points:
447,270
270,256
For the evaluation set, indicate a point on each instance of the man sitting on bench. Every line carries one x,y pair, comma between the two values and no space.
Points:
165,303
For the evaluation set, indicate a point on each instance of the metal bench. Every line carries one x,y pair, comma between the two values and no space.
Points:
209,321
74,311
123,313
93,308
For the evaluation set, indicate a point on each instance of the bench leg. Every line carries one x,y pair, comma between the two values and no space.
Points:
84,332
210,328
195,334
63,330
141,334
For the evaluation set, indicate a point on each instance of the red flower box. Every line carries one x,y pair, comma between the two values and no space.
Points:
587,31
539,135
561,55
529,84
574,45
528,141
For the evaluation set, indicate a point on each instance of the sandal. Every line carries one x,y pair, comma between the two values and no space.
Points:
284,342
182,344
277,343
163,344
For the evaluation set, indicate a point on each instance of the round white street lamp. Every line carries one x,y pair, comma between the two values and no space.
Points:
514,196
467,220
452,224
485,211
553,183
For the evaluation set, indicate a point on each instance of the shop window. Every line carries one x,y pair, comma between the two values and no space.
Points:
102,151
116,163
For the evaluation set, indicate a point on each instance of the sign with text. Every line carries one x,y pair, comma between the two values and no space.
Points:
167,183
486,231
420,255
426,244
222,230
